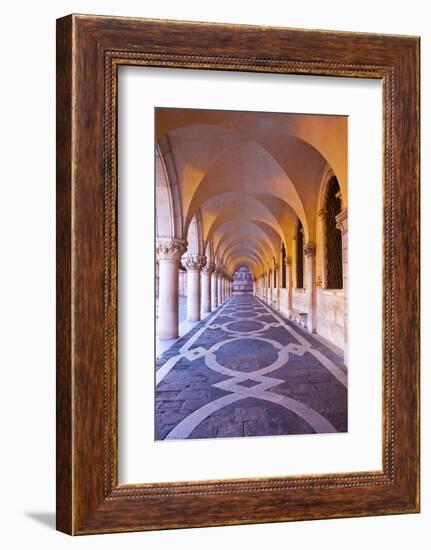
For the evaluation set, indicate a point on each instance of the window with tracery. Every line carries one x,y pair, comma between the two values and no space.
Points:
333,246
299,240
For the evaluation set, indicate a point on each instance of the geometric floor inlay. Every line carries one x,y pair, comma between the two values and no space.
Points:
247,371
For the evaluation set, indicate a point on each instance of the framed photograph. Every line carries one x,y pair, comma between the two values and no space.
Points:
237,274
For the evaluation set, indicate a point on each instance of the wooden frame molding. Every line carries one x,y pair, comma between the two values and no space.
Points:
89,51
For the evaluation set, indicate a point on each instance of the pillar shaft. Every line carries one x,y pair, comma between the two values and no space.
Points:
289,283
194,264
310,268
276,295
214,298
206,287
168,253
269,287
342,225
219,290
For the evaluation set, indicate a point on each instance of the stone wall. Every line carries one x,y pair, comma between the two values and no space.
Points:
284,305
329,311
299,300
330,316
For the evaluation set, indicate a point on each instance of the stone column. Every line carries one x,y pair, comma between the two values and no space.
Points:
265,290
194,263
219,288
342,225
214,297
289,283
168,252
270,286
310,267
323,220
206,287
277,269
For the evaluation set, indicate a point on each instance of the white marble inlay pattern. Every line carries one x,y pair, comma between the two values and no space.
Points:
260,376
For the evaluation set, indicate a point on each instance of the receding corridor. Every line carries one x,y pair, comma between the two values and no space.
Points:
247,371
251,273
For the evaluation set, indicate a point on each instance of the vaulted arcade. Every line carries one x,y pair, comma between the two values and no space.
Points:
262,192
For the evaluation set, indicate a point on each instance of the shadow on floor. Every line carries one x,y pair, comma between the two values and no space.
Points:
45,518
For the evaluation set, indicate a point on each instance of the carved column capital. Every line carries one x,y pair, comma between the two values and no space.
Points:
341,220
288,261
170,249
194,262
208,268
322,213
310,249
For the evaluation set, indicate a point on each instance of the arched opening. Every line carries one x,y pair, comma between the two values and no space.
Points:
242,281
333,248
299,247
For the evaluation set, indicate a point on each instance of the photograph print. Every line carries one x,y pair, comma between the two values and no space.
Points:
251,274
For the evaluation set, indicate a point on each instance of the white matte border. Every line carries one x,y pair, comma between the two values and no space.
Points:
143,460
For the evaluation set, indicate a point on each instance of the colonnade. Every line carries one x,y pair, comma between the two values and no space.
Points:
270,289
208,286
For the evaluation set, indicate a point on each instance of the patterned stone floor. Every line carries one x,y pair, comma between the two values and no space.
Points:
247,371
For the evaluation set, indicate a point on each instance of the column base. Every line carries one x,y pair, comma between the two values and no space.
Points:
165,335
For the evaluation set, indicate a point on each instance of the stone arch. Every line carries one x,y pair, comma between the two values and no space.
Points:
169,219
209,250
306,127
245,159
322,224
194,237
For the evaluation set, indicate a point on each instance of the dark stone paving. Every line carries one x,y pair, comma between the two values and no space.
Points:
300,391
251,418
246,355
